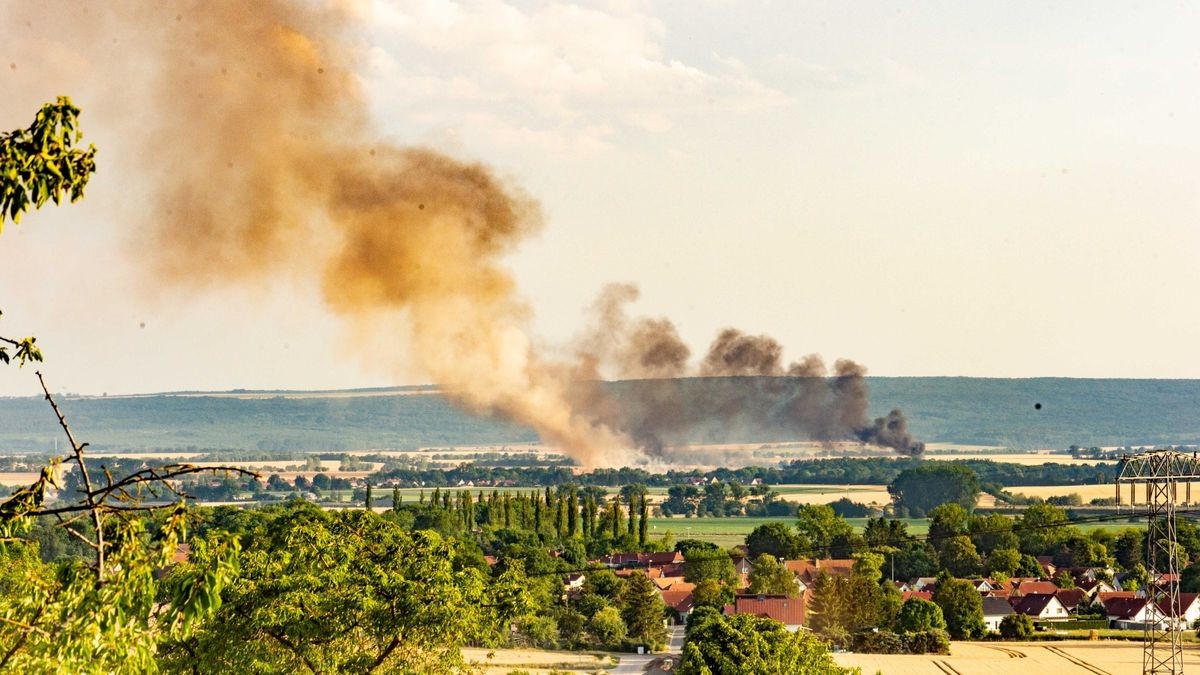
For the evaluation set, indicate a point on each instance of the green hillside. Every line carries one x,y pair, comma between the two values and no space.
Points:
957,410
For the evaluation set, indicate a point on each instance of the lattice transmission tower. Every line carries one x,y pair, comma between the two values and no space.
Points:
1161,471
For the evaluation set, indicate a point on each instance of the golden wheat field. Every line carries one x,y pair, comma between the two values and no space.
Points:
1023,458
18,477
1052,658
1087,492
824,494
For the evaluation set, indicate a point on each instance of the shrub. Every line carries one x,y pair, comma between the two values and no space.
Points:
878,642
541,631
606,625
1016,627
917,615
933,641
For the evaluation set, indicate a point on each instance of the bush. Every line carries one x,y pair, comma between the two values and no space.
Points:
917,615
607,627
934,641
878,642
1016,627
540,631
850,509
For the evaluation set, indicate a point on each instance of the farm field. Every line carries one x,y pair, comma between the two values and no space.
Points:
824,494
1002,658
536,661
13,478
1022,458
1087,492
727,532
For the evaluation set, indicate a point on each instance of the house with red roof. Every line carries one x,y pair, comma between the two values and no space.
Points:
680,600
785,610
1129,612
1072,598
806,571
1189,609
1093,587
1035,588
641,560
1040,606
994,611
1047,563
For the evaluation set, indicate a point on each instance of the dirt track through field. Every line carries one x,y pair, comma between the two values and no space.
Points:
1012,653
1077,661
1104,657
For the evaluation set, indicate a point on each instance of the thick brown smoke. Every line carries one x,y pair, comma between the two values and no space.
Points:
746,392
735,354
640,348
264,166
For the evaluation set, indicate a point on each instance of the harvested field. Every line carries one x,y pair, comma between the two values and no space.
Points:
146,455
497,661
1023,458
1087,492
18,477
1003,658
824,494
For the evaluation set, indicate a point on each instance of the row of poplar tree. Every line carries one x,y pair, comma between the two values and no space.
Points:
565,510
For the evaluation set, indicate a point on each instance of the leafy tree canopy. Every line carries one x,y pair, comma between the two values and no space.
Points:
42,163
926,486
768,575
743,644
962,607
917,615
349,592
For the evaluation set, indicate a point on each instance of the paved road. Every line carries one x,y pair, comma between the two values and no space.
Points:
635,664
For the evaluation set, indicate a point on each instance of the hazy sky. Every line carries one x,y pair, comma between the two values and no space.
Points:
935,188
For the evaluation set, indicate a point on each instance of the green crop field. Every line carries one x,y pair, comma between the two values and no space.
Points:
727,532
732,531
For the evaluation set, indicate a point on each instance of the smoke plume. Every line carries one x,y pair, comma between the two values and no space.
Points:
746,391
735,354
265,166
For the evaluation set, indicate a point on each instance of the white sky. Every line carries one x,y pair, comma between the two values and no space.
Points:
935,188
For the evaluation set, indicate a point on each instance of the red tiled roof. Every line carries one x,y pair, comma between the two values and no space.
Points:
1037,588
1071,597
1033,604
1185,601
680,600
621,559
808,570
662,558
923,595
788,611
674,584
1123,608
672,570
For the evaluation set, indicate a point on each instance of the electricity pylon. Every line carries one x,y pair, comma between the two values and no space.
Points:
1161,471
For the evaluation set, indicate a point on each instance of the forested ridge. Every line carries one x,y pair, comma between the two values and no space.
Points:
983,411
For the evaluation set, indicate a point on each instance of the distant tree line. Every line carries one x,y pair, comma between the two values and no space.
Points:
834,471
